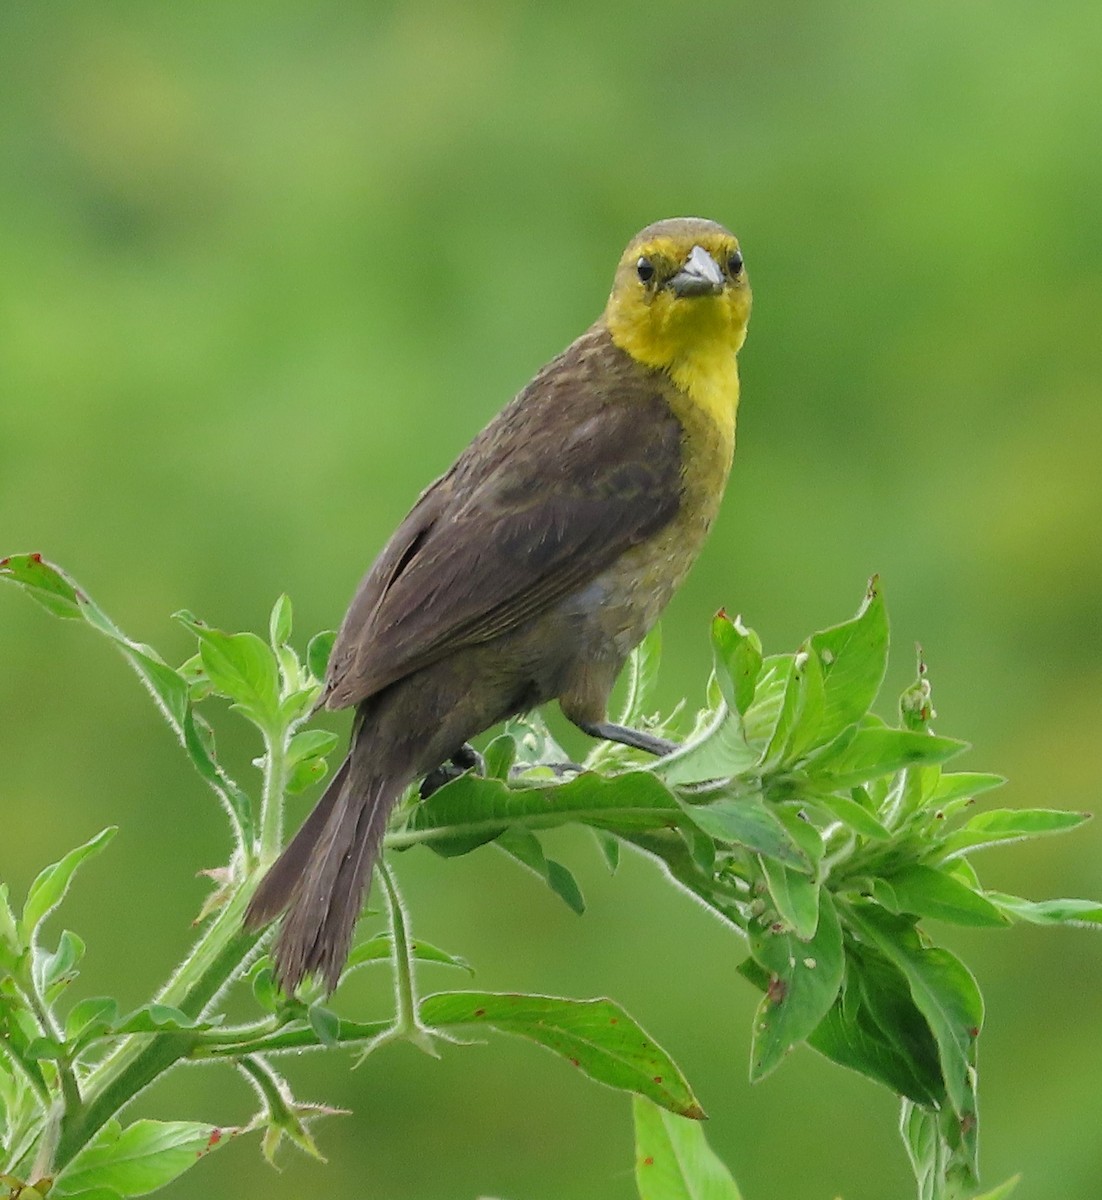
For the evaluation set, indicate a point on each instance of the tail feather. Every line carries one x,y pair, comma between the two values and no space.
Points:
317,930
322,875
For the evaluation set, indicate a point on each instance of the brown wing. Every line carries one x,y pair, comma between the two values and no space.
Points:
584,464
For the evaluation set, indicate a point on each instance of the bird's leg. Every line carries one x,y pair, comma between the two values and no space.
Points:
637,739
462,761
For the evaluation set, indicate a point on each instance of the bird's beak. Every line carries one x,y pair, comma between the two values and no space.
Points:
700,276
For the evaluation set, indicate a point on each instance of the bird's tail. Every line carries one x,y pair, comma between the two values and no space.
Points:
321,876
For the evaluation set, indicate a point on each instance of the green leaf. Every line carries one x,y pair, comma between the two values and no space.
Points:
721,752
943,991
306,773
499,756
240,666
875,1029
852,815
325,1024
10,935
610,849
787,714
596,1036
90,1019
963,785
800,829
927,892
44,1047
306,760
59,594
1048,912
318,651
702,849
44,583
804,979
760,719
267,995
807,720
311,743
380,948
748,822
49,889
877,751
280,622
673,1160
140,1159
738,661
59,968
159,1018
471,811
1004,825
525,847
942,1150
854,657
642,678
198,741
169,689
795,895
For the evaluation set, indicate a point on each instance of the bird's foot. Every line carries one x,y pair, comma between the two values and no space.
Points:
637,739
465,759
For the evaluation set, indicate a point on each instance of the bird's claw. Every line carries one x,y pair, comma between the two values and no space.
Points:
465,759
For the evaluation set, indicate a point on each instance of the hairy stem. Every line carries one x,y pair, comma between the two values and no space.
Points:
141,1058
271,802
296,1037
405,1015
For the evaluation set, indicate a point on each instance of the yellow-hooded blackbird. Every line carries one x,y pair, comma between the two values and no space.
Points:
529,570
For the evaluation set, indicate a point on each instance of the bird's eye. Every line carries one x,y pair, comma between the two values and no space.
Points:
734,264
644,268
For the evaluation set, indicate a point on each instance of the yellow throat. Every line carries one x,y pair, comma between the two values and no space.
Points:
693,338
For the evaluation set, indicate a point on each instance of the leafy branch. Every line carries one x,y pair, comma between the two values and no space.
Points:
819,833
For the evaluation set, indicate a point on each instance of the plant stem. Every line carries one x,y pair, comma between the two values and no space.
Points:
298,1037
271,802
264,1077
405,1015
70,1101
406,1023
141,1058
135,1071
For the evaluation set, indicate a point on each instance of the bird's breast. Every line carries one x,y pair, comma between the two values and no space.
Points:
623,603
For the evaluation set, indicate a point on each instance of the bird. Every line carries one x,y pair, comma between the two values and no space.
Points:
528,571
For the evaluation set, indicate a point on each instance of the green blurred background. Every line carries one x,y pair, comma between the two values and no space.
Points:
266,267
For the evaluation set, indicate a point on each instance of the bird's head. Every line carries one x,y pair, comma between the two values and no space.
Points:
680,293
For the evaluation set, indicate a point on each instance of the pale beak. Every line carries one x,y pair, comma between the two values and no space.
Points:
700,276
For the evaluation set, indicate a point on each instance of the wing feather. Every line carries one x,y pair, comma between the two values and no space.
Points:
584,464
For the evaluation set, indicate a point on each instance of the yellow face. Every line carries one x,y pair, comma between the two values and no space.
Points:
680,293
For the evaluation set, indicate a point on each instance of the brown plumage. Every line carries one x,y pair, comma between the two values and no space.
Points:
526,573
